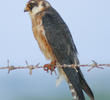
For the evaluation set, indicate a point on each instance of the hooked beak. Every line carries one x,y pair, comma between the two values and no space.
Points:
26,9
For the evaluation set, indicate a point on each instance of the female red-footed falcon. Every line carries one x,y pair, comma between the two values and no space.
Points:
57,45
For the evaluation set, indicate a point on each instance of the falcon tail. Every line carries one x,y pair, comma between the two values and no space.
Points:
74,83
77,84
85,86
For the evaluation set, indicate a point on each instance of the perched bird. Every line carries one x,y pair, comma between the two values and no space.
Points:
56,43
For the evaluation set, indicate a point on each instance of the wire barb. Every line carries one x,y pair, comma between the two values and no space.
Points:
32,67
94,65
9,67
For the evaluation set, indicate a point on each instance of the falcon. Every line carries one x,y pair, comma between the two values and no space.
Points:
56,43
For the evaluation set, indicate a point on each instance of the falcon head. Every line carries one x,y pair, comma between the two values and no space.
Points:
36,6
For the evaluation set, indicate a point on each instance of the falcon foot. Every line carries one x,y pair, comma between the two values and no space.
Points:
50,67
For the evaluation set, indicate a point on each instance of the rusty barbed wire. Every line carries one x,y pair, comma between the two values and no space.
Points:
32,67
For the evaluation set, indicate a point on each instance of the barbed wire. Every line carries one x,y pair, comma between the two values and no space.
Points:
32,67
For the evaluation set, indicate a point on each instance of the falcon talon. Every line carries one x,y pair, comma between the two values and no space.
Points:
49,67
52,72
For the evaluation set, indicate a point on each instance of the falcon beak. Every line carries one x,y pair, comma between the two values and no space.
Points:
26,9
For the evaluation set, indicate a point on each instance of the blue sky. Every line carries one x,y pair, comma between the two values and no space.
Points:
89,23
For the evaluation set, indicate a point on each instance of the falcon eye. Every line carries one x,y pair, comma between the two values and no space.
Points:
31,5
43,4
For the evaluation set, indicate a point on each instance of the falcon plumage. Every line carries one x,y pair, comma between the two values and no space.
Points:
56,43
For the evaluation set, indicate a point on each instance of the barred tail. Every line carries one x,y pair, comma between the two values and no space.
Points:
73,92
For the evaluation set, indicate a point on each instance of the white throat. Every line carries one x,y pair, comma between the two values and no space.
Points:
36,10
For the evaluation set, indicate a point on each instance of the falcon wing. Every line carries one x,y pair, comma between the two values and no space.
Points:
59,37
63,47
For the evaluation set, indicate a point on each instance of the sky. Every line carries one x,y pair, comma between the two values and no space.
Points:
89,23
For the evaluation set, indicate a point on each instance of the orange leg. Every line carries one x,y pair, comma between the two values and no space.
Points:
50,67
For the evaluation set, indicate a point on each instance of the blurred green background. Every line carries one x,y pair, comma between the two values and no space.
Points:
89,23
19,85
